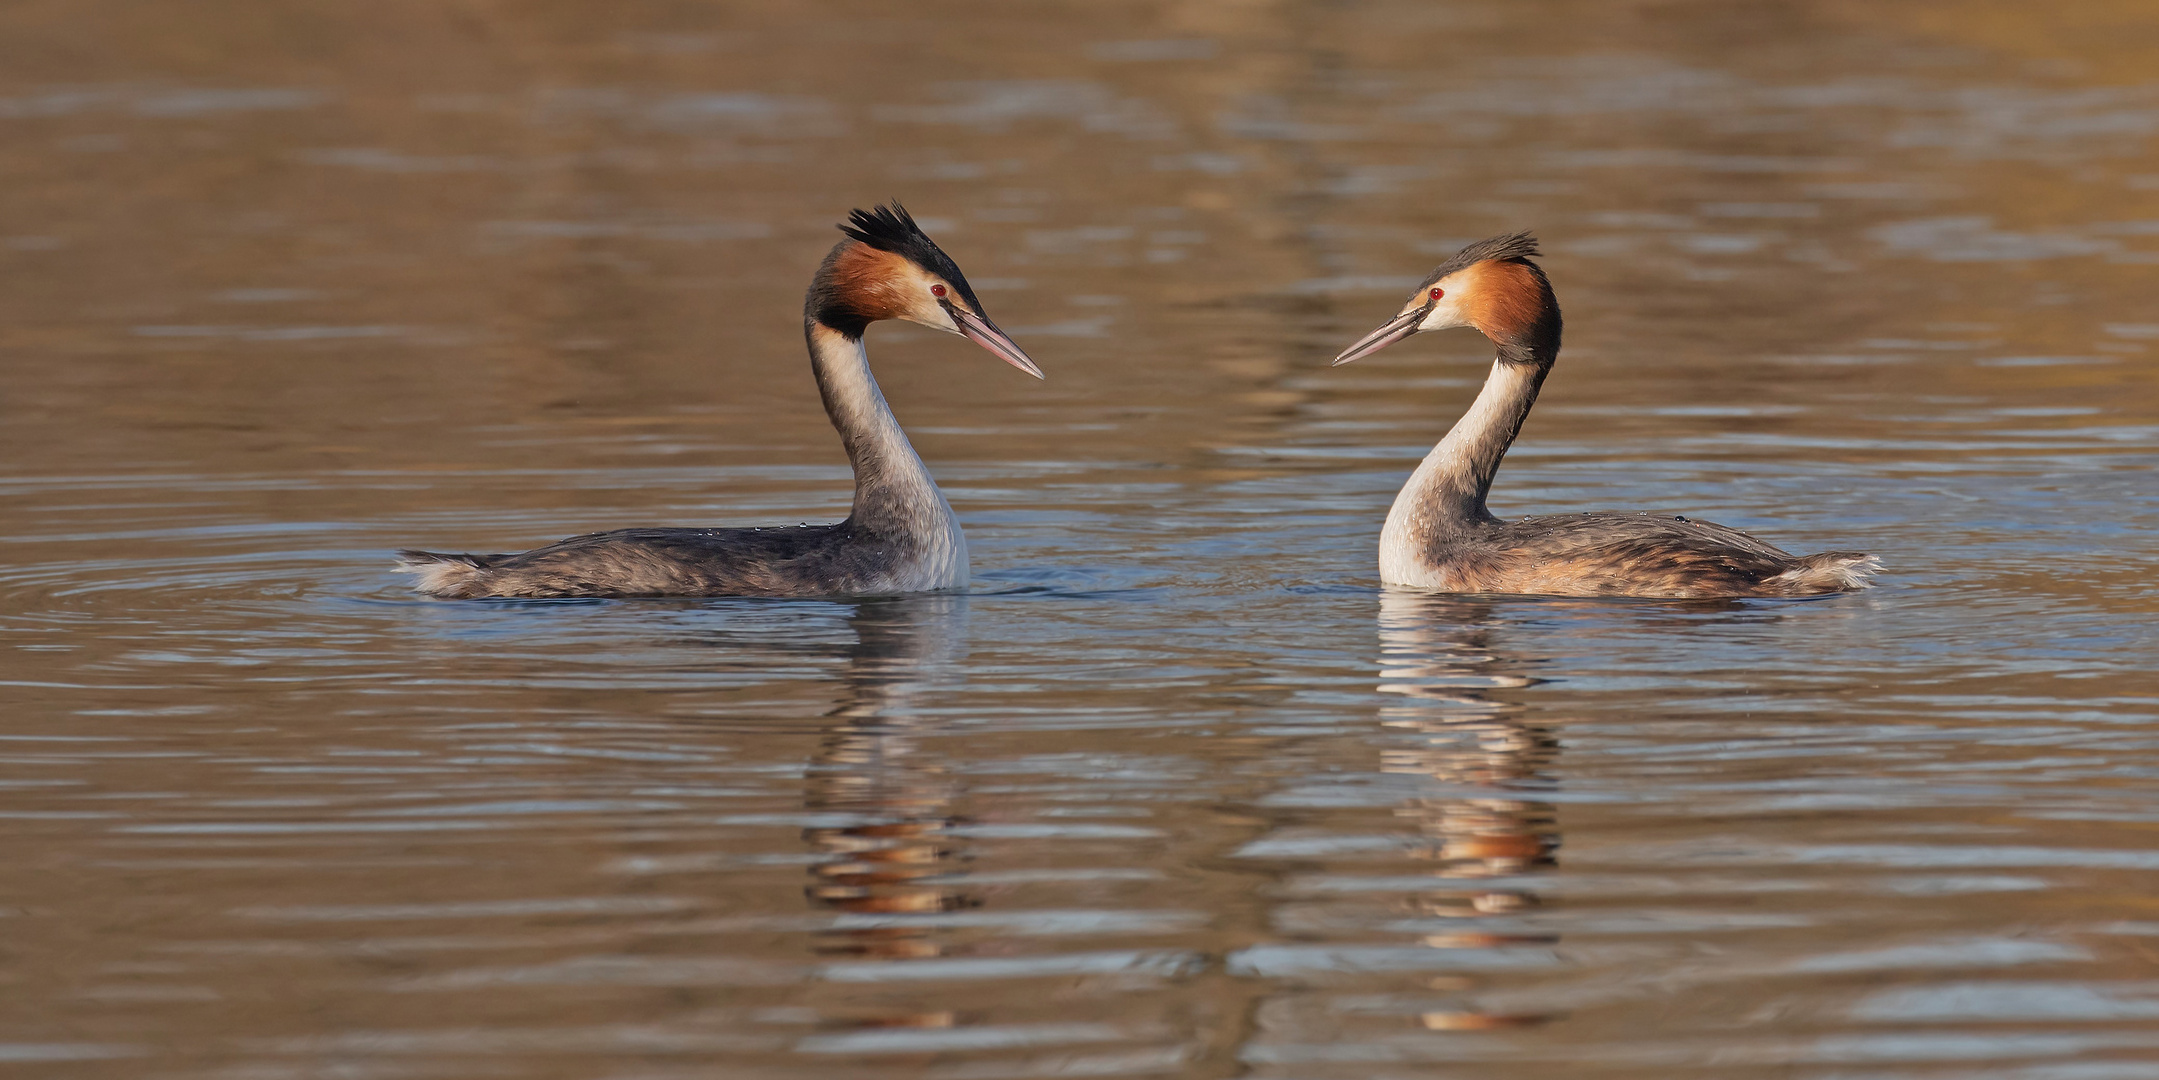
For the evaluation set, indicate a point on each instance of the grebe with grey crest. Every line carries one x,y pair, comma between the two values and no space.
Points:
1440,536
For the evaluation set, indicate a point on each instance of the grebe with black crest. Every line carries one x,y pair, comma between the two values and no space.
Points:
901,537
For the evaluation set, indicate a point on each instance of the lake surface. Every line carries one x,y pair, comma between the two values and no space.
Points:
1176,789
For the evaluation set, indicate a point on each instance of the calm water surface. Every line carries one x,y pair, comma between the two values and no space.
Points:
1176,789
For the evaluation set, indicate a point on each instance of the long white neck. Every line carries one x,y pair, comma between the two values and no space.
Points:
1446,494
894,492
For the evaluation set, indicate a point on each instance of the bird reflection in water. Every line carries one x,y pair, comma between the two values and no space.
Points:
1436,665
896,858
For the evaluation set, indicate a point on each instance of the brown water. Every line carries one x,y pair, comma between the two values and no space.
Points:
1176,790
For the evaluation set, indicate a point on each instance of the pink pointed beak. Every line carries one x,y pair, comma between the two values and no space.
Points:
983,332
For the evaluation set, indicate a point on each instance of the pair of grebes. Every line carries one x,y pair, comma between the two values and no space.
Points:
903,538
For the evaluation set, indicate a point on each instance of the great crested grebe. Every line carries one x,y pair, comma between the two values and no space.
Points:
1439,534
902,536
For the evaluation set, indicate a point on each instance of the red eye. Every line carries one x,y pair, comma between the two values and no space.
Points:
1437,293
937,290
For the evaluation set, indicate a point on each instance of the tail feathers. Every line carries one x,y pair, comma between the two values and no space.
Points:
454,576
1830,571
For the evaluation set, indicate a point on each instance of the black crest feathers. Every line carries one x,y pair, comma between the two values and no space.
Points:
888,228
892,228
1513,247
843,304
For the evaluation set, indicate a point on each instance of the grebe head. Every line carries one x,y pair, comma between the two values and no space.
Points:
1491,286
888,268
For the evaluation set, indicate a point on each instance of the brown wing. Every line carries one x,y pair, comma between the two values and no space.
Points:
1620,554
